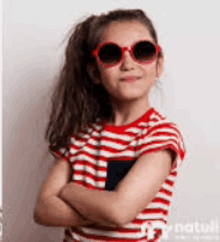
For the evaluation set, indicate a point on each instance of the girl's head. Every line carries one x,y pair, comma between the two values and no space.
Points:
113,65
86,89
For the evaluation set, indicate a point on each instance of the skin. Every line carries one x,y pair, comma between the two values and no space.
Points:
130,100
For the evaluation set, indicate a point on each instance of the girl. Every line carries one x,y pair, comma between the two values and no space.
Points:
117,157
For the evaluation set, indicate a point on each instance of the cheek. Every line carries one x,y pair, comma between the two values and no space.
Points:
107,82
108,76
150,71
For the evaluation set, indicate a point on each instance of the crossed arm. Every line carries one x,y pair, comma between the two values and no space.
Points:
117,207
52,210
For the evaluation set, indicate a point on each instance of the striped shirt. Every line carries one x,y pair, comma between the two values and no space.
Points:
101,157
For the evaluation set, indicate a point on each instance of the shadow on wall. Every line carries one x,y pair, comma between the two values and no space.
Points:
1,223
26,163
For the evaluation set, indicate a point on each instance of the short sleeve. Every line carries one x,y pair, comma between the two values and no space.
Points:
61,153
163,136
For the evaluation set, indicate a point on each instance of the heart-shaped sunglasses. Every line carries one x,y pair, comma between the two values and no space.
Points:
110,54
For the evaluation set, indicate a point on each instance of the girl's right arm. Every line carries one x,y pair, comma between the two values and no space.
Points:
50,209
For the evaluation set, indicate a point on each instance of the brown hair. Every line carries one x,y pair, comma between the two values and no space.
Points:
77,101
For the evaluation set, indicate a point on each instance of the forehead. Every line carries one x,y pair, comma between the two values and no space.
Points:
126,32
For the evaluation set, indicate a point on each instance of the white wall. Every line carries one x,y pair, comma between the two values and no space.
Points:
189,34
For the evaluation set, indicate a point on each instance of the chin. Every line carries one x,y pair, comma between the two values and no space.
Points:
130,98
130,95
134,96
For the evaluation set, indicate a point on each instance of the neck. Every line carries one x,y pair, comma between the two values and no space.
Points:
127,112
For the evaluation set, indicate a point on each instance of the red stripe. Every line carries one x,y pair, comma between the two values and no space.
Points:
114,150
118,140
154,142
122,158
173,173
60,155
161,200
180,152
169,182
94,157
162,133
161,126
106,148
90,164
158,233
89,175
106,238
155,211
165,191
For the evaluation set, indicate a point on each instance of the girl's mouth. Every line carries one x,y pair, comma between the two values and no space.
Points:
130,80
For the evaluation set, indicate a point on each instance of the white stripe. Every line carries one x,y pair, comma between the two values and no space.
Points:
81,157
91,151
160,122
84,157
87,179
90,181
97,126
117,146
170,131
101,162
93,142
101,184
134,130
102,173
84,136
78,143
167,187
171,178
123,137
158,205
80,167
111,234
152,123
159,145
113,144
119,154
156,116
73,150
164,196
146,139
143,124
150,216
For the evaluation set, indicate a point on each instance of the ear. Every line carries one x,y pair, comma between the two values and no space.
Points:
94,73
160,66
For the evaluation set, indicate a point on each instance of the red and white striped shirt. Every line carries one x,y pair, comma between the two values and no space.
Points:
97,154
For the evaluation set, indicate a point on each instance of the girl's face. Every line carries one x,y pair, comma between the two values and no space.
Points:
125,34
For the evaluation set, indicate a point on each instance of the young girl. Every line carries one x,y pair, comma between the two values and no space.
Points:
117,157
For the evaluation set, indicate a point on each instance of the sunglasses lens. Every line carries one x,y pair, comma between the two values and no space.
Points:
144,51
110,54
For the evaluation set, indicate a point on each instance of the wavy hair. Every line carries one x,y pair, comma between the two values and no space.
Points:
77,101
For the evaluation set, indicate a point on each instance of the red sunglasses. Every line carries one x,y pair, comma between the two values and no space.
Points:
110,54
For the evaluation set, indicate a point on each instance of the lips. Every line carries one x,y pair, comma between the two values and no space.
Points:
130,78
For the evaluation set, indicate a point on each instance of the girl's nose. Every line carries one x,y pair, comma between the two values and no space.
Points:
127,60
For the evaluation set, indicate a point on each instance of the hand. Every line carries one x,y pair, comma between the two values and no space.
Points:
64,190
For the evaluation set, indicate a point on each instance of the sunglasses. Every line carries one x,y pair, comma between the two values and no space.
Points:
110,54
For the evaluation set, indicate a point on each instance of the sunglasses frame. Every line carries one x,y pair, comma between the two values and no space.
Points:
123,49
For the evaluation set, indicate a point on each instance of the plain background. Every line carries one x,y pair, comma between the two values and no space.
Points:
189,34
